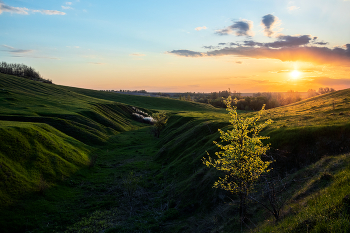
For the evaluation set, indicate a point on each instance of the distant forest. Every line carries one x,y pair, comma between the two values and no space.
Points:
23,71
254,102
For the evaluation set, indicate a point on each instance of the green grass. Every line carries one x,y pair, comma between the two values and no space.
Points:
32,153
49,137
65,155
320,202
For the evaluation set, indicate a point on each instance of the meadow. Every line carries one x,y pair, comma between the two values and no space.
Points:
75,160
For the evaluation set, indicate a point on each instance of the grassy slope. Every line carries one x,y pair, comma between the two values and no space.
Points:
182,184
300,140
311,128
319,199
67,124
49,132
35,153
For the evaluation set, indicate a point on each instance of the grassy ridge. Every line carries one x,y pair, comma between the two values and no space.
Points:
35,156
310,129
319,199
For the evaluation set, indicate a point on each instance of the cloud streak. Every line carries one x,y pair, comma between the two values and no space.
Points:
26,11
285,48
239,28
187,53
96,63
137,54
293,8
13,10
319,55
66,7
24,53
200,28
16,51
49,12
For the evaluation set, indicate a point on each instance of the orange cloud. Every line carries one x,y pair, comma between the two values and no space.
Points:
317,55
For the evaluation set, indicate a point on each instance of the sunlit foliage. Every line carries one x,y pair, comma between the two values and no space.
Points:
160,119
240,155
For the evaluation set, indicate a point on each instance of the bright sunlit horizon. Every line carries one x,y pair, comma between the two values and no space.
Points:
182,46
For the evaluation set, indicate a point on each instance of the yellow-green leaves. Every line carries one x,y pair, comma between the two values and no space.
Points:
240,154
160,119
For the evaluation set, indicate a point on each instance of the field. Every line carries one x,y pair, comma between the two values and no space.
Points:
75,160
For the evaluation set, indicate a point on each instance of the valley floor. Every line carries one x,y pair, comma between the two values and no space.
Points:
118,192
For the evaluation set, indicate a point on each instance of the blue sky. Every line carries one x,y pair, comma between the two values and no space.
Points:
174,46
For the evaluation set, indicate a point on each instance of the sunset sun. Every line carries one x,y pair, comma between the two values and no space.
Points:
295,74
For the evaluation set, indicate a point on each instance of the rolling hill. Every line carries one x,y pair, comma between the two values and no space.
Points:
75,159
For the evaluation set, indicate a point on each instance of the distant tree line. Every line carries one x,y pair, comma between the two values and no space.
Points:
23,71
321,90
137,91
254,102
270,99
126,91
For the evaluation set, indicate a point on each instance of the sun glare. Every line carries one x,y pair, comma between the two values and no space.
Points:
295,74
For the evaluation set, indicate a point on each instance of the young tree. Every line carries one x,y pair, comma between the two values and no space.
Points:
160,119
240,155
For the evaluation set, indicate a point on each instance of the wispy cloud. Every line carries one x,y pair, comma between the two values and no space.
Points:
49,12
10,47
239,28
211,47
66,7
194,85
293,8
26,11
24,53
16,51
137,55
96,63
316,71
200,28
13,10
43,57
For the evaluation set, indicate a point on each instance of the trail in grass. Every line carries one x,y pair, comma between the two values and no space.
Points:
119,192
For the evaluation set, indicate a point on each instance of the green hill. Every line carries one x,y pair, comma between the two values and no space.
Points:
75,159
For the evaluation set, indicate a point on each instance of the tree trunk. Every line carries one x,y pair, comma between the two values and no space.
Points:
242,206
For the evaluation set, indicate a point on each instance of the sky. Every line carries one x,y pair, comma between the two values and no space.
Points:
181,46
